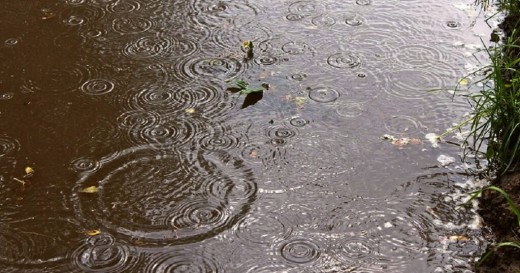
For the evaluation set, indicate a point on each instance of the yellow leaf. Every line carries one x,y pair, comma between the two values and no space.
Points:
190,110
300,101
91,189
29,170
463,82
93,232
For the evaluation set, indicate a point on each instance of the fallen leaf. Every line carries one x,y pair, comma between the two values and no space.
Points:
300,101
91,189
29,170
464,81
93,232
458,238
190,110
253,154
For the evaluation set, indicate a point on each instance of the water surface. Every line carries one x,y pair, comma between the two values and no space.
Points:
128,99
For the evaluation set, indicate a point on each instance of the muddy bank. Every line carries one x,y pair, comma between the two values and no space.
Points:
503,225
494,209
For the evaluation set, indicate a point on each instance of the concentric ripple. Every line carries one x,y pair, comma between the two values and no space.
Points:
298,122
279,135
306,8
416,83
124,6
8,145
343,60
324,20
418,55
355,20
229,38
11,42
97,87
157,198
300,251
181,261
131,24
264,229
84,165
213,67
101,253
167,134
404,125
218,139
323,94
148,47
212,13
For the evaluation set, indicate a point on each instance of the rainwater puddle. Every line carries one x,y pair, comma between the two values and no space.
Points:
144,160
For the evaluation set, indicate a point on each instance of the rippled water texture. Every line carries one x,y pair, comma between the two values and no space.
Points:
143,160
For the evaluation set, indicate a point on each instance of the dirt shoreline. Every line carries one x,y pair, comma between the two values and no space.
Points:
494,209
503,225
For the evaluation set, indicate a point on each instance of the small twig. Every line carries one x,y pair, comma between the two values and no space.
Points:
19,180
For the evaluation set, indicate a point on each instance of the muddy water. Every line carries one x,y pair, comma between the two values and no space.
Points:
145,162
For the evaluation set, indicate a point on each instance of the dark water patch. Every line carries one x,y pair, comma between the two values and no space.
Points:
8,146
158,198
37,241
81,15
101,253
59,79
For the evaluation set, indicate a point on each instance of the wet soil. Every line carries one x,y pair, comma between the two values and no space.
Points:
503,224
494,208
